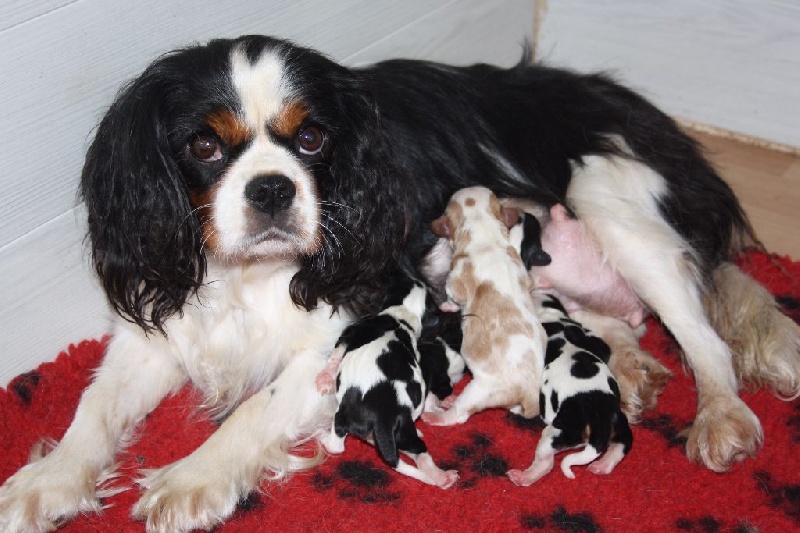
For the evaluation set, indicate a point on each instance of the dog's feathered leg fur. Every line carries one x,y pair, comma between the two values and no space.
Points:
659,266
202,489
131,381
765,343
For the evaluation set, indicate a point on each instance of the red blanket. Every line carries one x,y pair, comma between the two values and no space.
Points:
655,488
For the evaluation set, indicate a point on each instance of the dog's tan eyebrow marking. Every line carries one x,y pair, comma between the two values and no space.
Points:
289,120
231,129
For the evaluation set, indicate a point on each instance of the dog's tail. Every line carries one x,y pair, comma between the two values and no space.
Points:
765,342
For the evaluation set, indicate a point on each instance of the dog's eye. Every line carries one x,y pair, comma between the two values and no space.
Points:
205,149
310,140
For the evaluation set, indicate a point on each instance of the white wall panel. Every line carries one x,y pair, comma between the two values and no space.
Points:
13,12
733,64
62,63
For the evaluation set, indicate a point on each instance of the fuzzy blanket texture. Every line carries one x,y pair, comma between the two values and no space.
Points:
655,488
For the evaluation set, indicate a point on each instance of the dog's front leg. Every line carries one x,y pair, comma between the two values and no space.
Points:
131,381
202,489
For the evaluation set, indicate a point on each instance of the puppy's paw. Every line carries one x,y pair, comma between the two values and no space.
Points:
325,382
180,498
46,493
519,478
444,418
608,461
449,306
447,403
448,479
724,431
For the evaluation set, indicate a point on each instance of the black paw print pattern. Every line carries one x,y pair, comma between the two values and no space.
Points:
561,520
786,498
359,480
475,460
666,426
25,385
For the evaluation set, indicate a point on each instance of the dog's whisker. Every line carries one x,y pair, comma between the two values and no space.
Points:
357,239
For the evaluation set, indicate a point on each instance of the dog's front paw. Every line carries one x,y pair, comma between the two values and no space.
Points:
44,494
179,498
724,431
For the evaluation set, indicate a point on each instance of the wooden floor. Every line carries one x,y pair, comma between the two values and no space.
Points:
767,183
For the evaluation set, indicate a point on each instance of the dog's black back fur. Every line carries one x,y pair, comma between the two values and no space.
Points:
405,135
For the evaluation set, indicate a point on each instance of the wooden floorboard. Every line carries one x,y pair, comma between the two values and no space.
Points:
767,183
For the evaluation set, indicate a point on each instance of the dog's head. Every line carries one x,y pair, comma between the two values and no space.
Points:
245,150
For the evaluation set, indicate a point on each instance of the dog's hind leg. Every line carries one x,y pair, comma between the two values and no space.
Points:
619,201
132,379
764,341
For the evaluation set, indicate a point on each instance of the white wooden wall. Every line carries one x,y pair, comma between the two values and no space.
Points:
732,64
63,61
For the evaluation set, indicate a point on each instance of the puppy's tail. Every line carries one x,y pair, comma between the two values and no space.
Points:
765,342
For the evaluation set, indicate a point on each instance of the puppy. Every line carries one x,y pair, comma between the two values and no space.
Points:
503,343
579,399
376,374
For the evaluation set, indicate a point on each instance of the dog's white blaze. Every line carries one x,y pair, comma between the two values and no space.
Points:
618,199
263,87
263,90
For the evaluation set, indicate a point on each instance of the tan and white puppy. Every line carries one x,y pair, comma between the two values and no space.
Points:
504,342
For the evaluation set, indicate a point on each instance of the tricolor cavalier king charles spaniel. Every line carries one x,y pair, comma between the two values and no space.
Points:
248,197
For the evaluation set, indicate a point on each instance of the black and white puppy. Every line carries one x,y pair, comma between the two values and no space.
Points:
579,399
247,198
376,374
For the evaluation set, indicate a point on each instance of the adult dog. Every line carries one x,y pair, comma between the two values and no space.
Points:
246,197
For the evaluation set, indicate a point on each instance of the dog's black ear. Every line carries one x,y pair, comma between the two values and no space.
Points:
145,243
531,252
365,222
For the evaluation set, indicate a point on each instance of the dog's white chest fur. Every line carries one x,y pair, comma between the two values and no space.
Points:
242,327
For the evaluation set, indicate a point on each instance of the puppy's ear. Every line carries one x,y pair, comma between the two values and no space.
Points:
531,250
510,216
442,227
144,240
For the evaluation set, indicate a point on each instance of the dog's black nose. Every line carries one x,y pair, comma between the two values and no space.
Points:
270,193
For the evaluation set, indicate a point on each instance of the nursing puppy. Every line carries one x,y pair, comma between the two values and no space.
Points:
376,373
579,399
503,343
595,294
